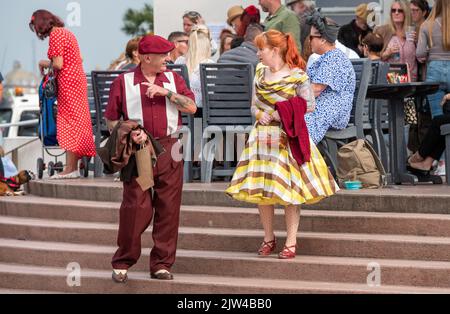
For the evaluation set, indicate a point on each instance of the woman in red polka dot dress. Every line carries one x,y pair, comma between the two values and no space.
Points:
74,126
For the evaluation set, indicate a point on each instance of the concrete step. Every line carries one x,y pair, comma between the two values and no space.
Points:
236,264
237,240
21,291
238,218
403,199
16,276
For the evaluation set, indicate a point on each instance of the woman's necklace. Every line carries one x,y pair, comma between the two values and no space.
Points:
275,70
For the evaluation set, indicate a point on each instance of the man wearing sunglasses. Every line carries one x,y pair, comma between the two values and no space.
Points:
181,42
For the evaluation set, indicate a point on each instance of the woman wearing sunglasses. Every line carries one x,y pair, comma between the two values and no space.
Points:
398,47
193,18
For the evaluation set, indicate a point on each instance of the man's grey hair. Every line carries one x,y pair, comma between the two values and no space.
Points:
311,5
252,31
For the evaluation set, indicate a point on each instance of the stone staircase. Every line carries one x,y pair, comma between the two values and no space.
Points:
404,231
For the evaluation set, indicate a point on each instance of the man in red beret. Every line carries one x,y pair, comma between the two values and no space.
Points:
154,97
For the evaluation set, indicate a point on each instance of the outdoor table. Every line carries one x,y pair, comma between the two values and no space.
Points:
395,95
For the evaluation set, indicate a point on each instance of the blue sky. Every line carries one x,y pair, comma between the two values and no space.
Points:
98,33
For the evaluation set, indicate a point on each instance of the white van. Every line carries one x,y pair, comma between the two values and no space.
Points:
17,106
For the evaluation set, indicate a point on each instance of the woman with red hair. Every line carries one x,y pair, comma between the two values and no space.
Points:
269,172
249,16
74,125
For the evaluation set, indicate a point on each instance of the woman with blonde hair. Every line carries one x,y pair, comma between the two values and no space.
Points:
192,19
434,47
199,51
270,171
397,47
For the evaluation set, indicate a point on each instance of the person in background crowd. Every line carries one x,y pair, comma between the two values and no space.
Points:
1,87
397,47
74,125
181,43
434,47
433,145
332,77
303,8
350,34
153,97
372,46
225,32
132,54
225,41
246,52
268,173
192,18
234,16
250,15
420,10
282,19
199,51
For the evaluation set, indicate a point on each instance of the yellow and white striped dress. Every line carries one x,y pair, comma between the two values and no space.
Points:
267,175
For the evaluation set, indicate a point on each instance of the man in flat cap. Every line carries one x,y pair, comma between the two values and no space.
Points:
154,97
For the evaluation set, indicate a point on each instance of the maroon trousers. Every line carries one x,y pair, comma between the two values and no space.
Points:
138,208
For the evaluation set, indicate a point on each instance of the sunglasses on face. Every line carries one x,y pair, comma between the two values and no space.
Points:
183,41
311,37
396,11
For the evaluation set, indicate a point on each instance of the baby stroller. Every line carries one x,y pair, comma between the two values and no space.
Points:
47,130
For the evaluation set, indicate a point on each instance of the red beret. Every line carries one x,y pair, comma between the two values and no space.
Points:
155,44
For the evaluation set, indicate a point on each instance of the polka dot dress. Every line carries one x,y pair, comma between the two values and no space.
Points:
73,123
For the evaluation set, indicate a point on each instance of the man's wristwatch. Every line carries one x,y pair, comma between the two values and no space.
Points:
169,94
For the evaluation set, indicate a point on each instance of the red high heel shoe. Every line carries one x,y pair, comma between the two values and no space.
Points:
287,252
267,248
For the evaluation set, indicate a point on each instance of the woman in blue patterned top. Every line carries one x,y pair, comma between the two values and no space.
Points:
332,77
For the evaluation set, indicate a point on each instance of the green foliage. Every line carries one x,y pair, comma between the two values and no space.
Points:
138,22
